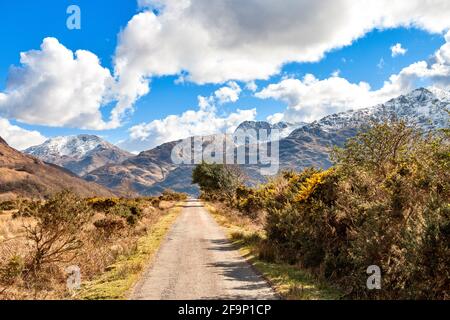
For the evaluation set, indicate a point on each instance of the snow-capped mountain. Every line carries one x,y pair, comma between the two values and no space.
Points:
285,128
310,145
441,94
424,107
22,175
307,146
79,154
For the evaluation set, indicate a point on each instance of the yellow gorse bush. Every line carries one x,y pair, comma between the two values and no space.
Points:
311,184
385,202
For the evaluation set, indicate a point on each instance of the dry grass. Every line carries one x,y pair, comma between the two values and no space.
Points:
9,227
101,249
120,277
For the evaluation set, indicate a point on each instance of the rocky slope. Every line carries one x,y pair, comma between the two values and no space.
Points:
310,145
148,173
80,154
284,128
152,171
24,175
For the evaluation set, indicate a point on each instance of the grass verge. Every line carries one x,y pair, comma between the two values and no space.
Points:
120,277
289,281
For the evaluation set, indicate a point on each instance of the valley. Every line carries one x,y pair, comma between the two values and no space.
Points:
300,146
120,210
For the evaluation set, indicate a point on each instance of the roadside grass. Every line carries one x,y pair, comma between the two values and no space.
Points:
289,281
120,277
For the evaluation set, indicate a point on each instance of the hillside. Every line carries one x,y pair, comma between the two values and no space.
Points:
80,154
148,173
308,146
24,175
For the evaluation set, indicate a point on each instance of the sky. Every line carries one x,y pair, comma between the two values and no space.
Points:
141,73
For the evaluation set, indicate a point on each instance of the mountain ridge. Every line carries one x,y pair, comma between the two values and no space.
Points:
80,154
22,175
308,145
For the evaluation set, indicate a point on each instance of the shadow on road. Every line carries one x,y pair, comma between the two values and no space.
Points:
240,273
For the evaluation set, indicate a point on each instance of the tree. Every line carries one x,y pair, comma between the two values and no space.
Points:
55,236
217,179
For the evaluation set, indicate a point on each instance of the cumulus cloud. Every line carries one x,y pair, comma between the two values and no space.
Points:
275,118
203,121
310,99
201,41
18,137
54,86
252,86
229,93
216,41
398,50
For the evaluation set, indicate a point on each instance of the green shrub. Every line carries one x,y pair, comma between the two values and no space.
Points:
8,205
27,208
217,180
11,270
384,203
131,213
249,201
56,235
103,204
109,225
170,195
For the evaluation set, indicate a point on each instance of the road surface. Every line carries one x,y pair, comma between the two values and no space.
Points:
196,261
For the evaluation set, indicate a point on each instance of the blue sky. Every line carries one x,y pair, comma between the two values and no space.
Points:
25,23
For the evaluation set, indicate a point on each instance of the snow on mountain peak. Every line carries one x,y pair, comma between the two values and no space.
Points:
441,94
284,128
71,146
423,106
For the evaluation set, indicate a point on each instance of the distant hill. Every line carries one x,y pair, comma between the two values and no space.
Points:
148,173
24,175
80,154
310,145
284,128
307,146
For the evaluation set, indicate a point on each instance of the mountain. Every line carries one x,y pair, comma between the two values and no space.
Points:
25,175
441,94
309,145
148,173
424,107
284,128
79,154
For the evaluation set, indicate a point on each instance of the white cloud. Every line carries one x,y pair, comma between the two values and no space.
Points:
336,73
19,138
56,87
216,41
252,86
310,99
201,122
229,93
398,50
275,118
201,41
